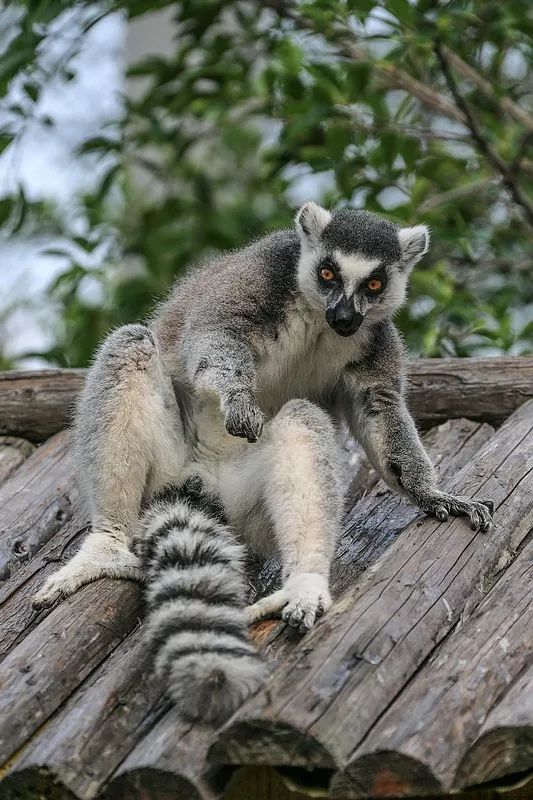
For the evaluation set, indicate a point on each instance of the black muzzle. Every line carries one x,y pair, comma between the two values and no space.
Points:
342,316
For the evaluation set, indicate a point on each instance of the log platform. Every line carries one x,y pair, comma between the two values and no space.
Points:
417,683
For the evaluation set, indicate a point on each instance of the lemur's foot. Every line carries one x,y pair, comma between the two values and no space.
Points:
442,505
303,599
244,418
88,566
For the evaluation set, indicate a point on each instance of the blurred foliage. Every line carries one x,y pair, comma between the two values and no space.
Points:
416,109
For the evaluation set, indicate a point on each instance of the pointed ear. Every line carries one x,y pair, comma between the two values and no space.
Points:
311,219
414,242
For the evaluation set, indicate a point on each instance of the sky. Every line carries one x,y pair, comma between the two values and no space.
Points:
45,163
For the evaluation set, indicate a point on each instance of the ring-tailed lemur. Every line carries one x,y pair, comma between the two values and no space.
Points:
234,389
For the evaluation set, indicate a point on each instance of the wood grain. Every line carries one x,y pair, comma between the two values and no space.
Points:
505,742
13,452
98,725
37,404
17,616
40,673
168,762
439,715
35,503
341,678
485,389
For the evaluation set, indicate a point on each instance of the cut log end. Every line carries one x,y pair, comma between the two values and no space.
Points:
262,742
385,774
35,783
140,784
504,751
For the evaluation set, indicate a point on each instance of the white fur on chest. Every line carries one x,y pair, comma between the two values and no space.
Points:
304,361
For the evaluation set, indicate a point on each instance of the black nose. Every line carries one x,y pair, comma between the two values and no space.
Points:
343,317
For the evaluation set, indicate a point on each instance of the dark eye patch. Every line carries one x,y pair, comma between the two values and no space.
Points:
328,263
379,275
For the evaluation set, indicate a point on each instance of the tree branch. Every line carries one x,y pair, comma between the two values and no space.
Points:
393,77
390,75
457,193
497,163
484,86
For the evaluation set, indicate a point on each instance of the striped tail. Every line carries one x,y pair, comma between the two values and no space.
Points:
196,600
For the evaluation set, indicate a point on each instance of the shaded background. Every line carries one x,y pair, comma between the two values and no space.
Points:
138,137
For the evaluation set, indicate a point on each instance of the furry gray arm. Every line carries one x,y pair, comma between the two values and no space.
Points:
221,362
378,416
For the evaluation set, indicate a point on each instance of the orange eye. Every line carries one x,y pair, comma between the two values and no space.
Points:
374,284
327,274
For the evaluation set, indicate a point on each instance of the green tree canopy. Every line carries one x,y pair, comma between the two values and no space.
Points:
418,110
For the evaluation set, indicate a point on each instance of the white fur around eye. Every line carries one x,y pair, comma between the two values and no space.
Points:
354,269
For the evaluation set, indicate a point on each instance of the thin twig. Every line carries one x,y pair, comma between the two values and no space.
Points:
497,163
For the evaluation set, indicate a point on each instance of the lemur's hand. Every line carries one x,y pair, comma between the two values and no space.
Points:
244,418
440,505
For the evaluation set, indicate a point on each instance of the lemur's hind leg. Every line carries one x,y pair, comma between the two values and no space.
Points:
304,497
128,442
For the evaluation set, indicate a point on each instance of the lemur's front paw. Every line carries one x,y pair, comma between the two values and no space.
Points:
300,602
86,568
244,418
441,505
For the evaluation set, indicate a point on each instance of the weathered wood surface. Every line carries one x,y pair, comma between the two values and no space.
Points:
34,503
40,673
97,726
485,389
17,616
120,702
167,763
505,743
420,740
335,685
13,452
37,404
43,521
82,716
374,523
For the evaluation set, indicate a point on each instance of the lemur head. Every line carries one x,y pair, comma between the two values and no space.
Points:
355,265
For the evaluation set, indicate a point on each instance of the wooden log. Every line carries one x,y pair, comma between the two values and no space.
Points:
168,763
34,503
47,665
13,452
379,518
98,725
17,615
373,524
505,743
421,738
64,520
485,389
335,685
37,404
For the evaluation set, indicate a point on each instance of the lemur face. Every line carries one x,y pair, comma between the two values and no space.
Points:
355,265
